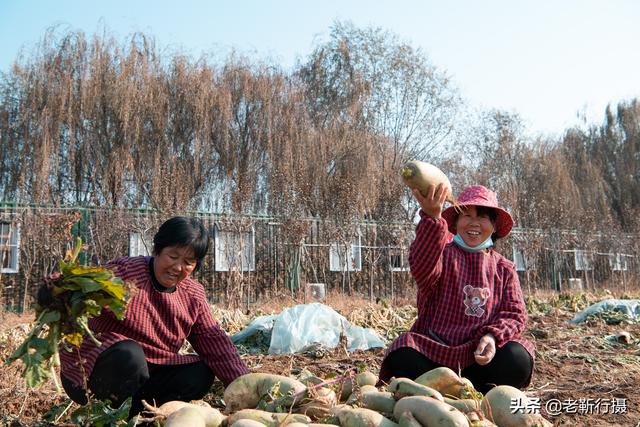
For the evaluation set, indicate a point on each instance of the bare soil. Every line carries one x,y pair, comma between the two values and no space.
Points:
581,369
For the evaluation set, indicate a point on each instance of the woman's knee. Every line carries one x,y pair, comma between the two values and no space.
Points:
198,380
178,382
125,355
119,371
408,363
515,363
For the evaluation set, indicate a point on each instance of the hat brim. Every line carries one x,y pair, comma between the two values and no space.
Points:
504,221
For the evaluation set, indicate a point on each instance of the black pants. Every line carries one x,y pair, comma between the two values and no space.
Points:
121,371
512,365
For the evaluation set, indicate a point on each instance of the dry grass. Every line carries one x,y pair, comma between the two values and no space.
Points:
573,362
584,361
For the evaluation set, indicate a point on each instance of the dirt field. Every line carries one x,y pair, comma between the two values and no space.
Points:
583,375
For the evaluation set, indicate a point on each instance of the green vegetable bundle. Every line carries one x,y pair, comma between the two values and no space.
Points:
77,294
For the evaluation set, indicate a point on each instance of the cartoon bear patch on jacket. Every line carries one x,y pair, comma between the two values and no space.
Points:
475,299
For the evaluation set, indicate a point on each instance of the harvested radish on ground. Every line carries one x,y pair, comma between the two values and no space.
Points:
402,387
248,390
497,406
210,416
352,383
471,408
188,416
477,419
446,381
407,420
245,422
366,378
318,403
464,405
269,419
362,417
430,412
381,401
346,388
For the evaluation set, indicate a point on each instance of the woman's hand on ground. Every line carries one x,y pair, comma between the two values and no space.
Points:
433,202
486,350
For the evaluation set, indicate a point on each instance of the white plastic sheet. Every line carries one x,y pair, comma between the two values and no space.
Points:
262,324
629,307
303,325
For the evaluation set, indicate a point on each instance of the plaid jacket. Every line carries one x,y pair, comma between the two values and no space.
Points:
461,297
160,322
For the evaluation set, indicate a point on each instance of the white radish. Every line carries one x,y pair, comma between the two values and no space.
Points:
246,422
270,419
247,390
430,412
168,408
446,381
402,387
420,175
366,378
318,404
464,405
362,417
211,416
497,406
471,409
380,401
408,420
188,416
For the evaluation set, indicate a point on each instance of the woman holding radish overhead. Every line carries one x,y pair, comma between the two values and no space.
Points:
139,356
471,312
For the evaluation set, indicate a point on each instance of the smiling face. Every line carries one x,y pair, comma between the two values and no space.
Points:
173,264
475,227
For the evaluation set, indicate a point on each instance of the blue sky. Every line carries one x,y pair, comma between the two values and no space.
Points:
544,59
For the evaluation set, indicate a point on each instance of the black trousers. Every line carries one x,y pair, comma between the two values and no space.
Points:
121,371
512,365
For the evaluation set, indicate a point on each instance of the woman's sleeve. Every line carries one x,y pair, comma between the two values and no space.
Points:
215,348
511,316
425,253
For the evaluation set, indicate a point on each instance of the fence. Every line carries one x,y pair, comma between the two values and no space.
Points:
560,260
251,256
255,257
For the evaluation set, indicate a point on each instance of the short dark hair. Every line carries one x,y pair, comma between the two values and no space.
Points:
486,210
493,216
183,231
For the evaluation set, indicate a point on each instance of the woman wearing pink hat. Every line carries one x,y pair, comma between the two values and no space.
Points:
471,313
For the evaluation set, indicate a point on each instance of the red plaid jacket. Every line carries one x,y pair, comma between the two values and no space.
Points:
160,322
461,297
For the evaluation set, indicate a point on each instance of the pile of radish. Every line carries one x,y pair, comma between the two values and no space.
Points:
438,398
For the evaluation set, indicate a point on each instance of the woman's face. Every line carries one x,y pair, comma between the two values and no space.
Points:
473,228
173,264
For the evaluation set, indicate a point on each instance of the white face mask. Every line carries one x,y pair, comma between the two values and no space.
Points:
484,245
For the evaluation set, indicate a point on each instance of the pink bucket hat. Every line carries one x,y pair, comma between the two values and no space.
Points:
478,195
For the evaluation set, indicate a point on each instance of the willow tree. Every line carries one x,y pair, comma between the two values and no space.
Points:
103,123
614,148
382,85
400,93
